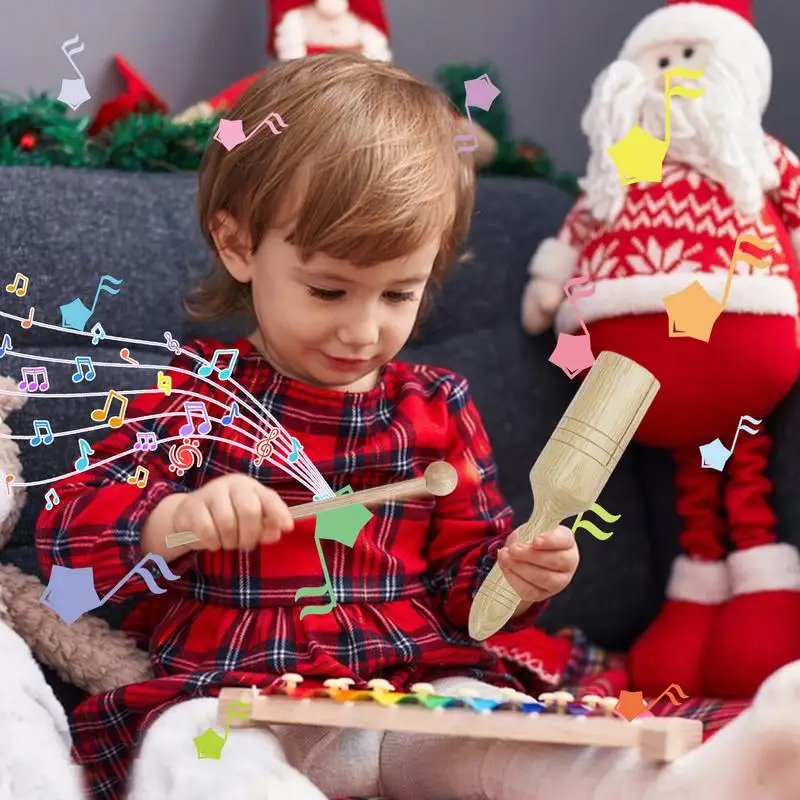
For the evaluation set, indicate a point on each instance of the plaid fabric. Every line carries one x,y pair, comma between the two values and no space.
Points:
404,589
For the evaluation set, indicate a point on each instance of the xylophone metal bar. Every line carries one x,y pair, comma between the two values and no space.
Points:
658,739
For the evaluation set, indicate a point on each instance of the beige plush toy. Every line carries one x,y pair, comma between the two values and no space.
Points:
35,741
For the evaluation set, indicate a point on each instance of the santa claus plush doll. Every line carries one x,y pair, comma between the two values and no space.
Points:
732,613
298,28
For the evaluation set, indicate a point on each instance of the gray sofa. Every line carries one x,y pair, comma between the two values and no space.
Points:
64,228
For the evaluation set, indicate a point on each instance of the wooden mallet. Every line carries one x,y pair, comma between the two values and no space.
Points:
573,468
438,480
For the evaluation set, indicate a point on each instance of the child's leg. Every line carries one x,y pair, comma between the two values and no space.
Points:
252,765
342,762
755,756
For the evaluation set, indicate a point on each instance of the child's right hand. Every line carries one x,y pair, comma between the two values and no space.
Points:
233,512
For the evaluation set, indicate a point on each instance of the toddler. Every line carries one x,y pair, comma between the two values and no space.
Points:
332,233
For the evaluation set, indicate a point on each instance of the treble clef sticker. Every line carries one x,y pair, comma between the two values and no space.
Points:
264,447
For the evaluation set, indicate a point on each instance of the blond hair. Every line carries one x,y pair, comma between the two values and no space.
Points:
365,171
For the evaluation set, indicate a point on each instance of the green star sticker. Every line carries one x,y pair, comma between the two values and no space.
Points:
341,525
210,744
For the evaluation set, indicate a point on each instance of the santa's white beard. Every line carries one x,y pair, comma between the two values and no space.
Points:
719,134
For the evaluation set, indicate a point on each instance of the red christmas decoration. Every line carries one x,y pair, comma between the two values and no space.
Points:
28,141
137,97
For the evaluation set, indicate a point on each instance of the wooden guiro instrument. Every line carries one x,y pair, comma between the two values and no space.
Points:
573,468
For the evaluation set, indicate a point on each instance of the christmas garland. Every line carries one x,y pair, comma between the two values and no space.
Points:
37,132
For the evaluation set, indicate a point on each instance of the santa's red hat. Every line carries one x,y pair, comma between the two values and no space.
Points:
369,10
727,24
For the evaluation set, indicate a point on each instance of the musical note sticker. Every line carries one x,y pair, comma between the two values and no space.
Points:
146,440
480,93
71,592
83,461
73,90
296,448
714,455
206,369
80,362
20,285
43,433
125,355
172,344
165,383
97,333
264,447
185,456
342,525
209,744
573,352
230,132
52,498
6,345
638,156
27,323
233,412
590,527
100,414
631,704
140,478
75,315
30,379
195,407
693,312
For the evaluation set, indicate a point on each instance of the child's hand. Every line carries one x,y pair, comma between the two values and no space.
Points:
233,512
541,569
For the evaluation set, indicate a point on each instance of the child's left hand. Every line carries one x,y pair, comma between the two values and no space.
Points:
541,569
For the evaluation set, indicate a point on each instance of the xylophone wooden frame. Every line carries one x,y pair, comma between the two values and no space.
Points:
658,739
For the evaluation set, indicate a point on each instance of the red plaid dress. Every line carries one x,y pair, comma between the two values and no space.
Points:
404,589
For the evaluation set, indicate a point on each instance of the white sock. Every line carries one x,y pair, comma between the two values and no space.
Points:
755,757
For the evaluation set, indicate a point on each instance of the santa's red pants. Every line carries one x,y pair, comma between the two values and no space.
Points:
743,490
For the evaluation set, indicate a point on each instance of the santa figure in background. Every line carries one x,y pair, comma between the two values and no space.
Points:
299,28
732,613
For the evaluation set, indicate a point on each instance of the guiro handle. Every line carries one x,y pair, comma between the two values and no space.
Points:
496,601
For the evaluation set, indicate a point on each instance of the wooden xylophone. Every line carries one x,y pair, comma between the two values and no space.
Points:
555,718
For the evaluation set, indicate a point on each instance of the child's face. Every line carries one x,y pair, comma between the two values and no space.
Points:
329,323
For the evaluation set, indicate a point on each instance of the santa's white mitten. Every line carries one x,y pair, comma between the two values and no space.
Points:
540,302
